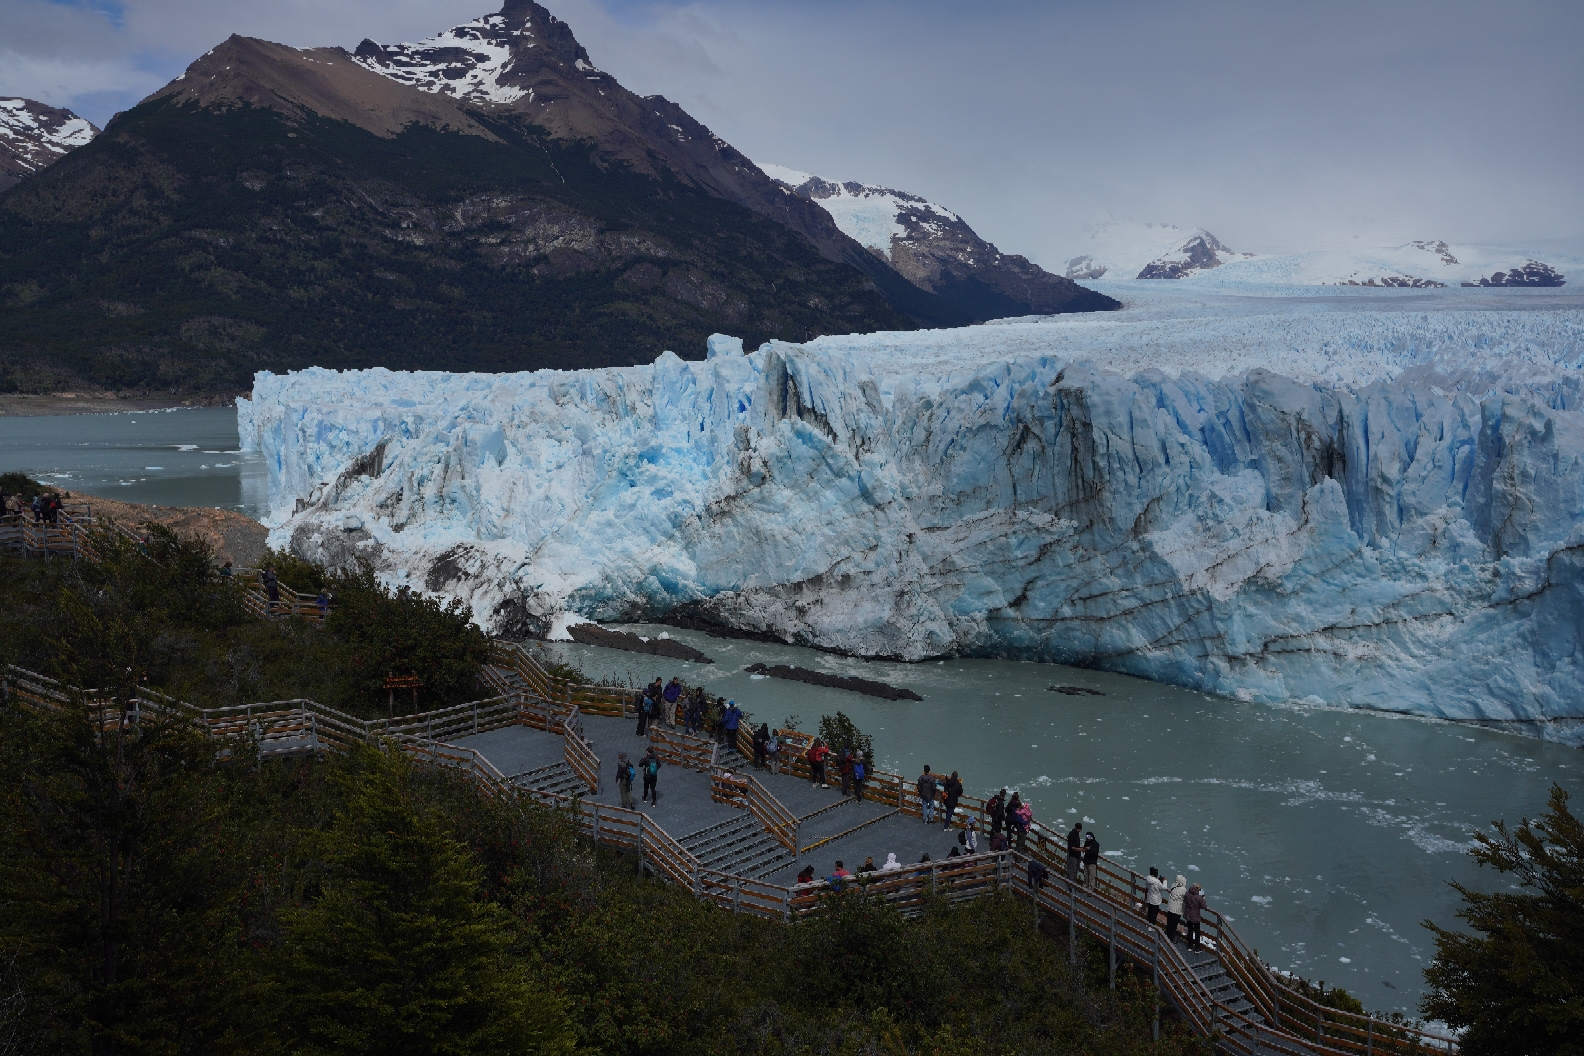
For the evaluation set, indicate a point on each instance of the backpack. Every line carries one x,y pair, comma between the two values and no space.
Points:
651,767
858,772
628,773
926,787
962,837
648,705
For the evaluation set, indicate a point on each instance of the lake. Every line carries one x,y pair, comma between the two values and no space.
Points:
186,456
1326,835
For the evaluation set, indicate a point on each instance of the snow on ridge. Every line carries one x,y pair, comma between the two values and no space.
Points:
20,124
1403,536
870,215
434,64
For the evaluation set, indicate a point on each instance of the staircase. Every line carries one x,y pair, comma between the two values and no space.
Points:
729,758
738,846
557,779
1222,987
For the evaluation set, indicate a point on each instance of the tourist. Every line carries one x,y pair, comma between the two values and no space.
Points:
693,712
715,716
38,509
999,842
868,866
1174,905
891,865
841,870
271,586
1154,894
859,773
731,720
1091,859
671,694
953,791
1075,851
1193,913
925,859
323,603
646,708
650,766
996,809
761,746
807,875
225,572
1023,818
773,753
838,879
817,754
1036,875
624,779
926,795
968,837
845,766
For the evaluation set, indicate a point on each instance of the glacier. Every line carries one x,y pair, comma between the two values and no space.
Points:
1339,497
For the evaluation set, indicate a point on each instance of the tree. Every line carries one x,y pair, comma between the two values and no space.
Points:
1516,986
395,952
842,734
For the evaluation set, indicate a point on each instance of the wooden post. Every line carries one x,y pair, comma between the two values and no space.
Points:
932,878
641,817
1155,989
736,893
1369,1037
786,905
1072,923
1113,945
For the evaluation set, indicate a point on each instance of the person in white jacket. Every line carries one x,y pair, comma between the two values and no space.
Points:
1174,905
891,864
1154,895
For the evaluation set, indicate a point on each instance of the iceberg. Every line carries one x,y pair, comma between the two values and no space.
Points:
1370,499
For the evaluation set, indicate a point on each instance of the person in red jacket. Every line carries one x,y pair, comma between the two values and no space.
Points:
817,754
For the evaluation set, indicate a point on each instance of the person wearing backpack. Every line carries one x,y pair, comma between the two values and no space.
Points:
926,794
624,779
646,710
953,791
773,753
1091,860
968,838
859,773
649,766
996,809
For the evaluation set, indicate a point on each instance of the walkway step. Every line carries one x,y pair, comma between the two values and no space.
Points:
557,778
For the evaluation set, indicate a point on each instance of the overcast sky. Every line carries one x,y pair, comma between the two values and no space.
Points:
1278,126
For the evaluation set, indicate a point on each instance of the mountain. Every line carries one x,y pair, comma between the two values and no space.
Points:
1420,264
33,136
1128,250
935,249
483,200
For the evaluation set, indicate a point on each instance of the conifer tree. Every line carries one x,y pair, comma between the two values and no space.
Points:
395,952
1516,986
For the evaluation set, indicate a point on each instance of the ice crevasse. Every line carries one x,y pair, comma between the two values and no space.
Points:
1412,544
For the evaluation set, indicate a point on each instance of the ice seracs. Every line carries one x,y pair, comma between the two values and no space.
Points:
1328,497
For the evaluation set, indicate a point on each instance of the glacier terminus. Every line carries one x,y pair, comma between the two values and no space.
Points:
1322,496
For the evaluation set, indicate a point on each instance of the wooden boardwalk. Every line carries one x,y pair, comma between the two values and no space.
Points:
733,837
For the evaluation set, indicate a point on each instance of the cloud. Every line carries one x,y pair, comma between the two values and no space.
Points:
1276,126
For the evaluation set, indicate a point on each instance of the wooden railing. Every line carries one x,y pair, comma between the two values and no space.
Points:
1290,1023
577,751
684,749
289,603
772,816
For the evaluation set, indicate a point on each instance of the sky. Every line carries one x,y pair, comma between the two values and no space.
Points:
1278,126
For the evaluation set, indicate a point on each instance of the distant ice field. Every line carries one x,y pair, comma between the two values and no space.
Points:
1346,335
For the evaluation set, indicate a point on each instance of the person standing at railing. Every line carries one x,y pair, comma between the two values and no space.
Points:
646,708
225,572
773,753
1175,897
860,772
817,754
731,719
38,509
995,810
968,838
953,790
1023,821
1154,894
761,746
624,779
1075,851
1091,859
926,794
1193,914
650,767
271,586
844,766
694,712
669,696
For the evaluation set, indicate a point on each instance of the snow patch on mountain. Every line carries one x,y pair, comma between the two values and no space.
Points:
1150,491
1124,249
871,216
33,136
465,62
1420,263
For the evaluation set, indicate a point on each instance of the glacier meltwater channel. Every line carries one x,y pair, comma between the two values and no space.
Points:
1319,497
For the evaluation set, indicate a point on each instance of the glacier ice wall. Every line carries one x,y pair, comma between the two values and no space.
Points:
1411,544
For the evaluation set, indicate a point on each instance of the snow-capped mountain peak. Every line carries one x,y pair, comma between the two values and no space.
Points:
872,216
1125,249
33,136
